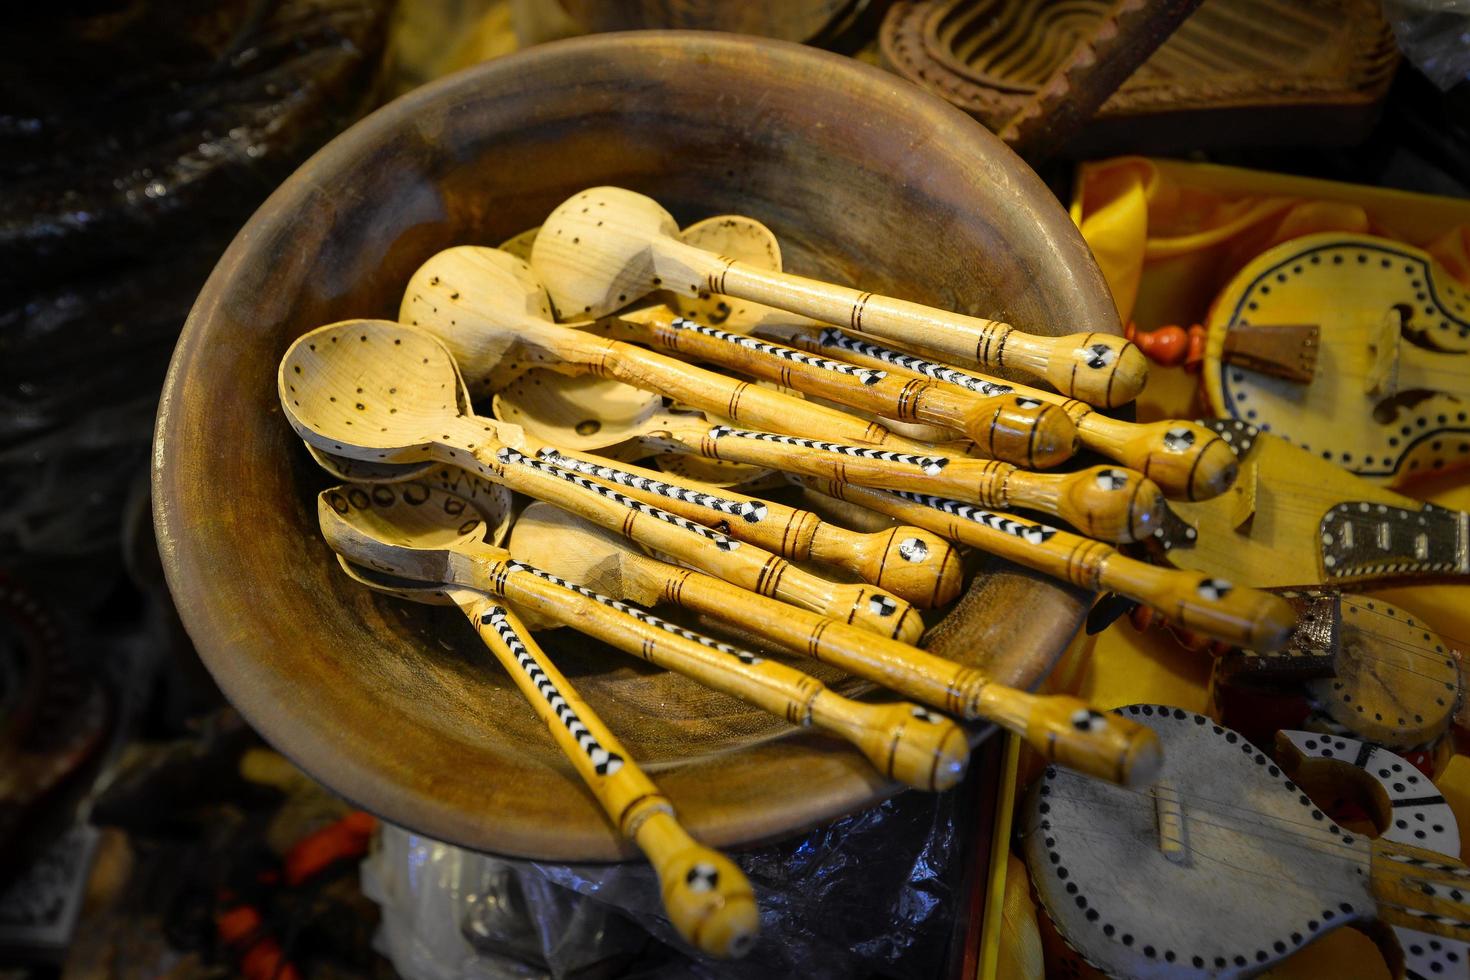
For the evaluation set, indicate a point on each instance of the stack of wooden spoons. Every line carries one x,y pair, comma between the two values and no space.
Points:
586,355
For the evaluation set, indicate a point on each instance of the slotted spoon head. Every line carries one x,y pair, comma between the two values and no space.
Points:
409,529
370,390
478,301
492,501
592,253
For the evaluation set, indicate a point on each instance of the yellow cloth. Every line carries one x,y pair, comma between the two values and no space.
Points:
1168,237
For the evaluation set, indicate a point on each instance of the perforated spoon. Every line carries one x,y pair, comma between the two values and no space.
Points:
1060,728
1186,459
386,393
606,247
711,328
904,742
488,308
708,899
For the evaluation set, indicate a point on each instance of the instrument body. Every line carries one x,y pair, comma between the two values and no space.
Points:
1383,389
1224,866
1363,534
1371,667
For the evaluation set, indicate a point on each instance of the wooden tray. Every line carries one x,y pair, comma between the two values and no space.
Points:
393,706
1234,73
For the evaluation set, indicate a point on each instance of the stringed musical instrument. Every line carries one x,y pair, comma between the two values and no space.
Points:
1292,519
1365,664
1225,866
1354,348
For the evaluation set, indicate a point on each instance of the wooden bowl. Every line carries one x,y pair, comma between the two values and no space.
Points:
865,178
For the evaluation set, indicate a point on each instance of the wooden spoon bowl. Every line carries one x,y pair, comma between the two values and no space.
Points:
862,179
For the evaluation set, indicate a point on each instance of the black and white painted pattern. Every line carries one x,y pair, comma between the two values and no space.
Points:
1420,817
882,605
636,612
939,372
1026,531
928,464
702,877
868,376
604,762
1214,589
913,550
750,511
1418,813
1100,356
1362,540
1178,439
513,457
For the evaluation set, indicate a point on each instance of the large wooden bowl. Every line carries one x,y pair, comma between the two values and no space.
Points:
864,178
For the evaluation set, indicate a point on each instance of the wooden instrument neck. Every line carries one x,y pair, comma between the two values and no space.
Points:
1420,889
1362,541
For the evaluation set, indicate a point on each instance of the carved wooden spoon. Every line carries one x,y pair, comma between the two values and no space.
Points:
488,308
1003,425
912,563
1186,459
918,747
1240,616
606,247
1056,726
1105,502
708,899
386,393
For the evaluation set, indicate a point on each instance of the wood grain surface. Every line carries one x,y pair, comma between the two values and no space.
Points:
861,176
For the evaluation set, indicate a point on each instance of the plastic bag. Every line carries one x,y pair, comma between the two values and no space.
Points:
874,893
1434,35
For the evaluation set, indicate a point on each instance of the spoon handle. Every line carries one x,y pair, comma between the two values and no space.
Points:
1026,432
913,564
1185,459
1100,369
709,391
1102,502
707,897
1242,617
904,742
715,552
1062,729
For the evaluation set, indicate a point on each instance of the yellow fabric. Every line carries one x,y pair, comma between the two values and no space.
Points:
1168,237
1020,938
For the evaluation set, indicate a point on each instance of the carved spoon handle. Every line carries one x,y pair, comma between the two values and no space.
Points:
707,897
1100,369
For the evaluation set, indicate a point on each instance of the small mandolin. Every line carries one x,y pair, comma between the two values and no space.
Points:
1354,348
1366,665
1293,519
1225,866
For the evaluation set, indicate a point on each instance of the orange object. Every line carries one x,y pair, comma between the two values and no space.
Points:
1171,346
266,961
347,838
237,924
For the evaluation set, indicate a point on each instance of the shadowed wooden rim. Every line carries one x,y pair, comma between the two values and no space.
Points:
257,593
